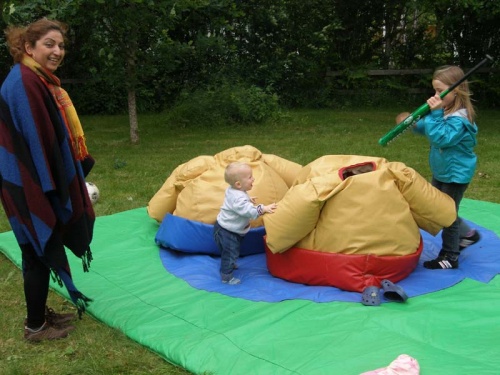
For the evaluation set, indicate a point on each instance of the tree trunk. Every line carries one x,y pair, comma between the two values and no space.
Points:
131,86
132,115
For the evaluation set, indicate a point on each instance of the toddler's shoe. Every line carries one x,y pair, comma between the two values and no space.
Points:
232,281
393,292
371,296
469,240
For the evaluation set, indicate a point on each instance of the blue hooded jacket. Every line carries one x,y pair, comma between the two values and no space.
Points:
452,139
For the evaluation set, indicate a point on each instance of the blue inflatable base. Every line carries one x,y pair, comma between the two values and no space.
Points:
480,262
194,237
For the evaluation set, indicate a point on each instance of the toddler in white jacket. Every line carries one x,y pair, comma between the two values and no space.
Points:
233,220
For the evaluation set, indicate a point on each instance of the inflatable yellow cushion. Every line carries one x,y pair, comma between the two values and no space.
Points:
195,190
357,205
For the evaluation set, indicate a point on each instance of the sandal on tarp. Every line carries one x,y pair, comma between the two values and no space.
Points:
393,292
371,296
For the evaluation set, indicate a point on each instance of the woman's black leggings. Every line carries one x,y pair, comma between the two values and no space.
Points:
36,286
36,280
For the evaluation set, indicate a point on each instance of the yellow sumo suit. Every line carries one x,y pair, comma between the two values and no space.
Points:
351,221
188,202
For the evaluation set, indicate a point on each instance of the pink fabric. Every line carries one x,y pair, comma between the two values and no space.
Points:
403,365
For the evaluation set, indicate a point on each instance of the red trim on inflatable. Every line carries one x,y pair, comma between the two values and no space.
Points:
349,272
342,171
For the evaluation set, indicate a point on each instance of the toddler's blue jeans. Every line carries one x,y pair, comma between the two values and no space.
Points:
229,244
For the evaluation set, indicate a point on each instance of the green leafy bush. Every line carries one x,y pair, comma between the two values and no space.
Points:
225,103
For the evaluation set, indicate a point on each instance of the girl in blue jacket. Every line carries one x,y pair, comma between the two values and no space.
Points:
451,131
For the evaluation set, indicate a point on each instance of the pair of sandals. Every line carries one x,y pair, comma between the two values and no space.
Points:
390,291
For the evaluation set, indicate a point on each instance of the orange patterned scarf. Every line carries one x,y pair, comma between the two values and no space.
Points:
65,105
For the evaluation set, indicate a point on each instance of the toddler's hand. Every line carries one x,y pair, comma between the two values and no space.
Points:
401,117
270,209
253,200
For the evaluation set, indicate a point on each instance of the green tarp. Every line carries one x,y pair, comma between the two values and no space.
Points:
453,331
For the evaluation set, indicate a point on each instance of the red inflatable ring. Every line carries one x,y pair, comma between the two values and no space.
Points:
351,272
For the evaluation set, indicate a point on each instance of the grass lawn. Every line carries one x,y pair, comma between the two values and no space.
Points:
128,176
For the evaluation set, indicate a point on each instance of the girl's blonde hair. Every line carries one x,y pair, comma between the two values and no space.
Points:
17,37
449,74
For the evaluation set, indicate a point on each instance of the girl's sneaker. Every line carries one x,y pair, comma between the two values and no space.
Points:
469,240
441,263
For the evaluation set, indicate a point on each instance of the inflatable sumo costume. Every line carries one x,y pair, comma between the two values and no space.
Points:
353,221
188,202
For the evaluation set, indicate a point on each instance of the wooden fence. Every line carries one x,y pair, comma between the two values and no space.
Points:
400,72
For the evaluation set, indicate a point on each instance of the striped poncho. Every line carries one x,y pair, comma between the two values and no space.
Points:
42,184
